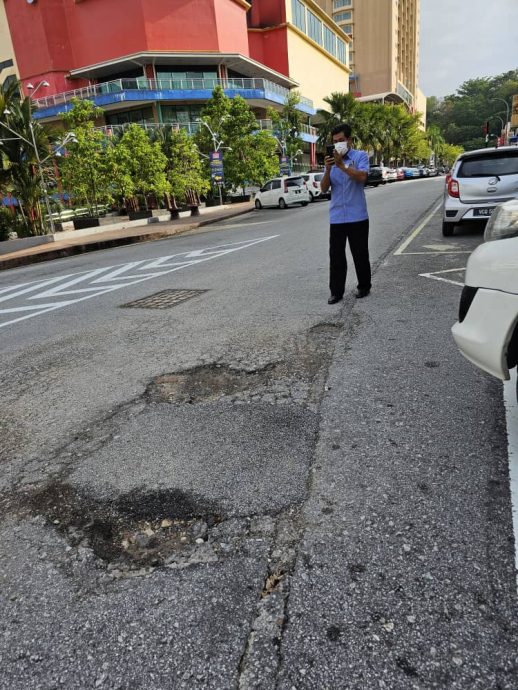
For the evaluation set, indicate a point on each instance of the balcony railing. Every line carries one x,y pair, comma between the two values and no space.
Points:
192,127
142,84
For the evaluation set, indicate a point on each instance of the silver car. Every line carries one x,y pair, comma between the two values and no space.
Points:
477,182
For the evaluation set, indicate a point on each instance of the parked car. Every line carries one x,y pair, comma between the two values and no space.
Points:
391,174
375,176
433,172
477,182
423,170
283,192
312,180
487,330
400,174
410,173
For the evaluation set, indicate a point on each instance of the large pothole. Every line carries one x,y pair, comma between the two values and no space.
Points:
136,530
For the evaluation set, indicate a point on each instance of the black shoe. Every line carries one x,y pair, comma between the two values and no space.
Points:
334,299
362,293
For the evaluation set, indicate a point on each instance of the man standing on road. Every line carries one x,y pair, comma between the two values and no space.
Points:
346,174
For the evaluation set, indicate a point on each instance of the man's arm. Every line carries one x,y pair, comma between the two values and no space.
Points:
358,174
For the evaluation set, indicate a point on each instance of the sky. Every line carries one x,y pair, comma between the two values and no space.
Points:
466,39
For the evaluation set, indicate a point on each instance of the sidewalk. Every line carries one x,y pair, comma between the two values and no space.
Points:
109,236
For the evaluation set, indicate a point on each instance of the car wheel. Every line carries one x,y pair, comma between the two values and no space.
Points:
282,203
447,229
303,203
311,197
258,204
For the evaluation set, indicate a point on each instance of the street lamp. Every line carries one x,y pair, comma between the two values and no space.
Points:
70,137
217,145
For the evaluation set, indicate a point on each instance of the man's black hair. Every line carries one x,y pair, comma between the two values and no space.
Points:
342,127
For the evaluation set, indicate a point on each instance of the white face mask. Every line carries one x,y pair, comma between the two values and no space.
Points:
342,147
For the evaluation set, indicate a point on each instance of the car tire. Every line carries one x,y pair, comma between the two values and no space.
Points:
311,197
447,229
258,204
282,203
304,203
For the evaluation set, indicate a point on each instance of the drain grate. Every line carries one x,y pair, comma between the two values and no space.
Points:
163,299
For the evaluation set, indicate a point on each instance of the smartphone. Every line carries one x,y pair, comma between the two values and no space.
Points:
330,149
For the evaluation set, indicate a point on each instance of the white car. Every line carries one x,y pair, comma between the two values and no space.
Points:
487,330
283,192
313,180
479,181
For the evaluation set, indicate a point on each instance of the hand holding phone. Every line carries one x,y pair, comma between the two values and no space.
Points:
330,150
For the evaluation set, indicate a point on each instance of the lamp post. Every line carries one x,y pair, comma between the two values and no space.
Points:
506,114
216,146
69,137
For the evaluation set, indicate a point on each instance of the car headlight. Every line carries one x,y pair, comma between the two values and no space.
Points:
503,222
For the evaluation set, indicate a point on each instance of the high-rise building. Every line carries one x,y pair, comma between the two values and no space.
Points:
384,53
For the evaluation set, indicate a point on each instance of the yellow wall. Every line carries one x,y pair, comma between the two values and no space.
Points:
6,46
317,73
420,106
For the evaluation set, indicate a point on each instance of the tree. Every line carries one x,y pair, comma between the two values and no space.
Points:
184,170
23,142
342,108
85,171
461,116
229,125
141,165
286,126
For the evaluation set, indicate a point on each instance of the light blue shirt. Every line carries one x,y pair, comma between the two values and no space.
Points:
348,203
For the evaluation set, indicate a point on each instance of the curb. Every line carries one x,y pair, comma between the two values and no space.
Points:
84,247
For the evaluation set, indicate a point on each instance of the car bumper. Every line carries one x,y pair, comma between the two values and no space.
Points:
457,212
483,336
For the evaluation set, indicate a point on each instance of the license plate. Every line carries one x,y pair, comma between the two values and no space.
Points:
297,191
483,211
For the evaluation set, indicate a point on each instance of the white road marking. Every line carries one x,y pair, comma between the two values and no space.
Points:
437,276
511,408
87,284
416,232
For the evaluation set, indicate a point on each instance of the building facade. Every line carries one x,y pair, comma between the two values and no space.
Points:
384,57
8,70
158,61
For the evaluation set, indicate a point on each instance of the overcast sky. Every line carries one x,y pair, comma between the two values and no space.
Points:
465,39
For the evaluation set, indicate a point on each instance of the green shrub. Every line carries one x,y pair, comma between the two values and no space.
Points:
10,222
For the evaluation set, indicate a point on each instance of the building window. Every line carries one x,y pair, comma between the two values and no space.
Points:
329,41
299,14
314,28
343,16
181,113
337,4
140,116
348,29
341,51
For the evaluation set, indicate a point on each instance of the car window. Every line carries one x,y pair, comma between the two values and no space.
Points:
319,177
267,187
306,177
276,184
295,182
500,163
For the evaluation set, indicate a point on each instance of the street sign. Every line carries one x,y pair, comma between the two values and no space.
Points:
217,175
284,164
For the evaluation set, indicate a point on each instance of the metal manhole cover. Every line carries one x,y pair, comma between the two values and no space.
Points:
163,299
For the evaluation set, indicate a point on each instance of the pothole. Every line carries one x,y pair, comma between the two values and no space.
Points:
137,530
296,378
206,383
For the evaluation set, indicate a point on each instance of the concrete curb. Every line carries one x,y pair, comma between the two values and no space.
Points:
109,243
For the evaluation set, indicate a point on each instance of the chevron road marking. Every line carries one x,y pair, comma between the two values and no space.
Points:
77,287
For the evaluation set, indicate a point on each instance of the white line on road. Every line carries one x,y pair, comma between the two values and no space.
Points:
435,276
511,407
107,279
416,232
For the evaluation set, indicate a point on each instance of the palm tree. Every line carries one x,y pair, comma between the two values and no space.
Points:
343,108
22,142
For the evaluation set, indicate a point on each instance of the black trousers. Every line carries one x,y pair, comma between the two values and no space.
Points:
358,236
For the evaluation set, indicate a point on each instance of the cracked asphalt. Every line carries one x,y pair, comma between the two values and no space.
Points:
252,489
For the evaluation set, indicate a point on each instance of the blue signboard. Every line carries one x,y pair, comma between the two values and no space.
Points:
284,165
217,175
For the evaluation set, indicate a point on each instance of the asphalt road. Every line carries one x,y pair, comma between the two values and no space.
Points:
249,488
